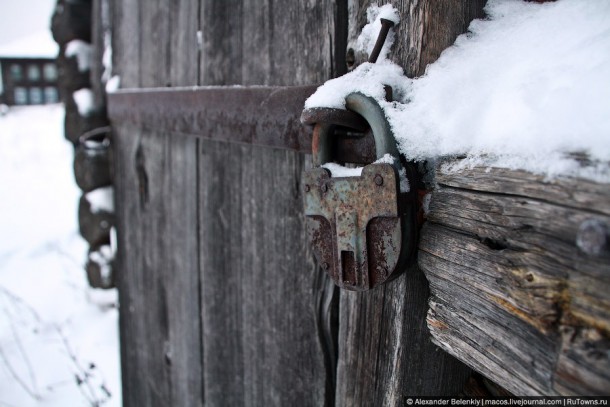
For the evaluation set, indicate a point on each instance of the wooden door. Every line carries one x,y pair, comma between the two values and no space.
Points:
221,301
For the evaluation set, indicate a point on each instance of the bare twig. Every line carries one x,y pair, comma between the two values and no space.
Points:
18,379
87,390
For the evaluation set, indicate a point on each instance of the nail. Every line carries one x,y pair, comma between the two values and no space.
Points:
383,34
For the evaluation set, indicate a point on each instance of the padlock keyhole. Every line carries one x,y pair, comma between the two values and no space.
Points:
348,265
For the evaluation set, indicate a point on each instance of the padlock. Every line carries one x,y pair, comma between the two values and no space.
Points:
362,228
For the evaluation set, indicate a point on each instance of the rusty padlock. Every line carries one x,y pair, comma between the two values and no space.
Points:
363,228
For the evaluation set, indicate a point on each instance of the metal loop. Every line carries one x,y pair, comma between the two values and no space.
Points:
371,111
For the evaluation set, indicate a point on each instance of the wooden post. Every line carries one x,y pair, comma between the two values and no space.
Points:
515,295
385,352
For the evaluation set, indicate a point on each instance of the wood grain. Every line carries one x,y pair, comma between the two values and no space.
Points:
512,294
158,271
269,313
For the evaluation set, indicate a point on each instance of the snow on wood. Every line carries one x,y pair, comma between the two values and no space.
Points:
101,199
525,89
103,258
113,84
85,101
36,45
82,51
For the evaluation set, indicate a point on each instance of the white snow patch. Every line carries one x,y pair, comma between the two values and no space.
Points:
101,199
339,171
36,45
83,53
58,338
107,58
113,84
370,32
368,79
85,101
103,257
527,88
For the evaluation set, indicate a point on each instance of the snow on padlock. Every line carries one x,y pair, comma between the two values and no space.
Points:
362,228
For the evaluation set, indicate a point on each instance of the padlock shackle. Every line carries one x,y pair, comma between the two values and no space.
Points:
372,112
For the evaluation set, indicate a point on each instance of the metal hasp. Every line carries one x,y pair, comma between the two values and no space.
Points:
363,229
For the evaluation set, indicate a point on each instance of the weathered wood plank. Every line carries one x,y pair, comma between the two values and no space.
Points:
158,230
158,276
261,345
249,42
513,296
126,42
267,309
385,352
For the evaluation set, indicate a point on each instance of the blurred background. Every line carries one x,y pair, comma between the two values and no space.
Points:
58,335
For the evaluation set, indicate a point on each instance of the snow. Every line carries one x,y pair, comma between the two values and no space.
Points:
103,257
339,171
101,199
370,32
113,84
107,57
526,88
82,51
58,337
85,101
20,18
39,44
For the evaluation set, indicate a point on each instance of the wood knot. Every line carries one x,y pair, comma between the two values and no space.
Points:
592,237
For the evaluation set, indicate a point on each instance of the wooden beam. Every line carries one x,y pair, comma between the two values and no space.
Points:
514,293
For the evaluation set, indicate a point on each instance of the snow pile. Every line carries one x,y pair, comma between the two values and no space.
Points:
528,88
85,101
101,199
58,337
83,53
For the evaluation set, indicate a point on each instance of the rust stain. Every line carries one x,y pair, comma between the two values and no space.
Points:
537,323
435,323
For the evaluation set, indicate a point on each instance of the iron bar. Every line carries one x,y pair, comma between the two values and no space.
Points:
261,115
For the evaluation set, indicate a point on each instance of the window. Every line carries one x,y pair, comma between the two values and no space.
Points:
21,96
50,72
50,95
35,96
16,72
33,73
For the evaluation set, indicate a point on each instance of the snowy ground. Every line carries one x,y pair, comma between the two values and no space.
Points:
58,337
